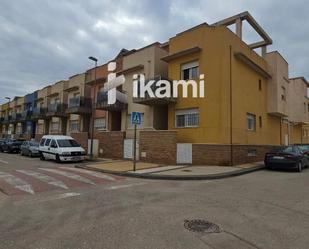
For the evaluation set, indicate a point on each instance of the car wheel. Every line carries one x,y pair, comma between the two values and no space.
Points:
299,167
42,157
58,159
30,154
22,153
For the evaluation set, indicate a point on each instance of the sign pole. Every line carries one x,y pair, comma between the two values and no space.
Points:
134,149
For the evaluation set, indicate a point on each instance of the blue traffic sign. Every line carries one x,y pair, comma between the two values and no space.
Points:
136,118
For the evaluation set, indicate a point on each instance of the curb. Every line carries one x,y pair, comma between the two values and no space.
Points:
177,177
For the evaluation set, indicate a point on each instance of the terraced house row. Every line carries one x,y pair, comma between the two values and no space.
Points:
250,105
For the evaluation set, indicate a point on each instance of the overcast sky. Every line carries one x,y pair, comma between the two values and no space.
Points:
44,41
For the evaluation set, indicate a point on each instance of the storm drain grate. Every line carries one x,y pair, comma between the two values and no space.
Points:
186,170
201,226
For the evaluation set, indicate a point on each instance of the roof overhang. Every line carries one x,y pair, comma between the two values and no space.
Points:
181,53
246,60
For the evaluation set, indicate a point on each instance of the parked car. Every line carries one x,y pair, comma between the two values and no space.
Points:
291,157
2,141
12,145
61,149
304,148
29,148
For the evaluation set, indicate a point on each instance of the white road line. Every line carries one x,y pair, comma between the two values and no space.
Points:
125,186
59,197
44,178
69,175
92,173
17,182
2,161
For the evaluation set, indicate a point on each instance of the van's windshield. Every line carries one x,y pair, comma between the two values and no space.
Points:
67,143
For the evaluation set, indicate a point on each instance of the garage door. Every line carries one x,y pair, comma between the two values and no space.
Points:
184,153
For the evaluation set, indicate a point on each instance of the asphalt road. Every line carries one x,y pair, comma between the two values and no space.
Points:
265,209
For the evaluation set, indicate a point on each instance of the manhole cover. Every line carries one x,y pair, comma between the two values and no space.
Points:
201,226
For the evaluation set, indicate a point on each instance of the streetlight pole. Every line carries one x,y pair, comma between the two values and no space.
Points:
93,103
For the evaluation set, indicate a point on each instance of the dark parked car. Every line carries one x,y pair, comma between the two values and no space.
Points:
3,144
29,148
289,157
304,148
12,145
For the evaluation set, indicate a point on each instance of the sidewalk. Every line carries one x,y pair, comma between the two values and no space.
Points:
170,172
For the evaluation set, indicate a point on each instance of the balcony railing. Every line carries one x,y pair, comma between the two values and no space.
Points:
26,115
56,110
16,117
149,100
102,101
7,119
79,105
38,113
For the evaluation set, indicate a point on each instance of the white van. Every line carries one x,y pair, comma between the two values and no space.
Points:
61,149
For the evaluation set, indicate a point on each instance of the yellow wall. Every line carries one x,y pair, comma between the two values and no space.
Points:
214,109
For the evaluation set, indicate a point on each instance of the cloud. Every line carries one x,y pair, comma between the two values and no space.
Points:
44,41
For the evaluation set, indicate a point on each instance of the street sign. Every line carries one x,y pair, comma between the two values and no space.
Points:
136,118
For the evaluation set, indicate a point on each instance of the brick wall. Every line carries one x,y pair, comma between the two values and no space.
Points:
81,138
209,154
241,156
159,146
110,144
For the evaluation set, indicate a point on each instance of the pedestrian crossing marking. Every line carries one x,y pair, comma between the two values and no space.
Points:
44,178
69,175
16,182
92,173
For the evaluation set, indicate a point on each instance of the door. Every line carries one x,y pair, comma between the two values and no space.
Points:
53,149
184,153
128,151
46,149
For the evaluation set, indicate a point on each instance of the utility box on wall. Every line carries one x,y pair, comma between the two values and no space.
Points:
95,147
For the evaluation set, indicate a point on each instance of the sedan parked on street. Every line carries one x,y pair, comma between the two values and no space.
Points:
288,157
12,145
29,148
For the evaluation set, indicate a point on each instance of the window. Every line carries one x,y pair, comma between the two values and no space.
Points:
65,143
260,84
47,142
100,124
55,126
42,142
187,118
260,121
74,125
250,122
190,71
283,93
53,144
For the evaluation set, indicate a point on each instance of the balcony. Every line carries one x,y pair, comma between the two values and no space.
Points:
26,115
38,113
79,105
7,119
148,100
56,110
102,104
16,117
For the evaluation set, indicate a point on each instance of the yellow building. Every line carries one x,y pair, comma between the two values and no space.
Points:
233,123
